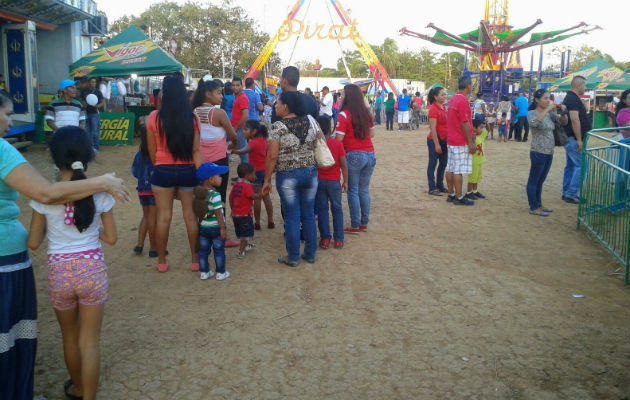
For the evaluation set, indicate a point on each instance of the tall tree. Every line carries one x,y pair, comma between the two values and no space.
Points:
208,36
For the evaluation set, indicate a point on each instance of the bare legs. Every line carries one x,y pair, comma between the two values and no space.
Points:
454,181
258,206
81,330
147,225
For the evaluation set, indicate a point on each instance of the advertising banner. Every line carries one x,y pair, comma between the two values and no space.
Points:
117,128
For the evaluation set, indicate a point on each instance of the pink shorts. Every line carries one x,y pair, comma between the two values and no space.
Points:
77,278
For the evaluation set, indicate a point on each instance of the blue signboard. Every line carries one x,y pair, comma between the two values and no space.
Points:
17,70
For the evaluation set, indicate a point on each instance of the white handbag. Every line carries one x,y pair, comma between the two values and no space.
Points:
321,152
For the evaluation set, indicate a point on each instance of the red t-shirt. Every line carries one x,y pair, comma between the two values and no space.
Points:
418,102
439,114
333,173
241,196
458,112
350,142
240,103
162,154
258,155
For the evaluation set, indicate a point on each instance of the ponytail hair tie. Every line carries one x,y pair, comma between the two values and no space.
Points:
77,165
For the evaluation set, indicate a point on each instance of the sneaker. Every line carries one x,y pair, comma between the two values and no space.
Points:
324,243
443,190
463,202
470,196
206,275
137,250
241,254
352,230
222,276
338,244
363,228
450,198
250,246
571,200
479,195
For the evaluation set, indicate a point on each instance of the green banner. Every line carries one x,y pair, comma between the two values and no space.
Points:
117,128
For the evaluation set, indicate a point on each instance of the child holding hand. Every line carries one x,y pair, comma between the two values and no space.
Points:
242,199
329,189
212,226
479,157
503,128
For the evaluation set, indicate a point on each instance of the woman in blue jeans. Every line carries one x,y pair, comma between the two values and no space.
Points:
355,128
436,141
542,119
290,155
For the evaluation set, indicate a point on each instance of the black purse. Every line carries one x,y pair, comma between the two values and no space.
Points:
559,135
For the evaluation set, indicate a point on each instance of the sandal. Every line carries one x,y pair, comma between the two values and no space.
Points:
547,210
285,260
257,226
435,192
66,389
137,250
194,267
162,267
271,225
539,213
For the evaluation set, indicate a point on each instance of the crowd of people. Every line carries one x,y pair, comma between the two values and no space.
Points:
184,155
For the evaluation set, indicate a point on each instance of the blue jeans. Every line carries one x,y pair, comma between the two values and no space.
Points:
297,189
389,115
93,126
360,168
209,239
240,143
328,190
541,164
377,116
433,162
571,181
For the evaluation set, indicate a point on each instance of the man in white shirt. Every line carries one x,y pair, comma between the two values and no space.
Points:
326,103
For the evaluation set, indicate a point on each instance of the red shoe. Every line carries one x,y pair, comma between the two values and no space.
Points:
232,243
162,267
363,228
338,244
352,230
324,243
194,267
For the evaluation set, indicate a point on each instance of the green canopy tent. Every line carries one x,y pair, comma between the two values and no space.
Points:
436,84
131,51
599,75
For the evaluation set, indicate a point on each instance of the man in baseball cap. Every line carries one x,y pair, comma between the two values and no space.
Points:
65,110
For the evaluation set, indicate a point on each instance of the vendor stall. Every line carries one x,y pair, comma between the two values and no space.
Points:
604,80
129,54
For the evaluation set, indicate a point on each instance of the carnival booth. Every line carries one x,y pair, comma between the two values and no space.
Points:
603,80
127,62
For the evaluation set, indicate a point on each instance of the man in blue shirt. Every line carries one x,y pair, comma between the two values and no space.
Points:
255,104
403,110
521,118
378,105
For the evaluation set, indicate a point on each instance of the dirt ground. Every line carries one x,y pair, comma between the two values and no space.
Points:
434,302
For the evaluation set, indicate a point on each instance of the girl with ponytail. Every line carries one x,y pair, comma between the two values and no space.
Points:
77,274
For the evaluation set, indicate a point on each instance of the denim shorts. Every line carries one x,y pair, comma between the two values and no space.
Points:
243,226
181,176
260,178
146,200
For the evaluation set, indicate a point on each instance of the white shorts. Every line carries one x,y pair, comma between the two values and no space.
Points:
459,160
403,117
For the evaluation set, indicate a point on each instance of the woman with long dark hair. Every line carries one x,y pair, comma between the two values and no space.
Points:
173,140
436,140
542,120
291,142
355,128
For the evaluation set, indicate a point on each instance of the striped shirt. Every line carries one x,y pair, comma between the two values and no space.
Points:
65,114
214,203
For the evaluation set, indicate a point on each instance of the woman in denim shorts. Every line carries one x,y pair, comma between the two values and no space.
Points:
173,139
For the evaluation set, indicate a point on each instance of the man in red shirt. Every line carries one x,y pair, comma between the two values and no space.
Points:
460,142
240,115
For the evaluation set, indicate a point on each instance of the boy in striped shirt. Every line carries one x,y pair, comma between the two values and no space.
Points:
212,225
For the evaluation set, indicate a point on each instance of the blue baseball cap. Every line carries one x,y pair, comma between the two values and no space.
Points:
67,83
208,170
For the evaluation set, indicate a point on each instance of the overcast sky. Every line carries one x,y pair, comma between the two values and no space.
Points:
378,19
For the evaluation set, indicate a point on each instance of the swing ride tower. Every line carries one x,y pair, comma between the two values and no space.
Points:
497,45
345,29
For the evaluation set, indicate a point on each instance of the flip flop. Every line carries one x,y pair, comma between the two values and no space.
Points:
66,387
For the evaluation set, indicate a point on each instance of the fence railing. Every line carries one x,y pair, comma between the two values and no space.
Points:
604,205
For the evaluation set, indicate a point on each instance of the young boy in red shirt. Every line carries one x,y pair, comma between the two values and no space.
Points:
242,199
329,189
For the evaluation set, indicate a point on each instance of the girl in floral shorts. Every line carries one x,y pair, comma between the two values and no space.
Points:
77,275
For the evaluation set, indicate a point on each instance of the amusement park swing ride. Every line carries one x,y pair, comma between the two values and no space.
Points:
345,29
497,45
